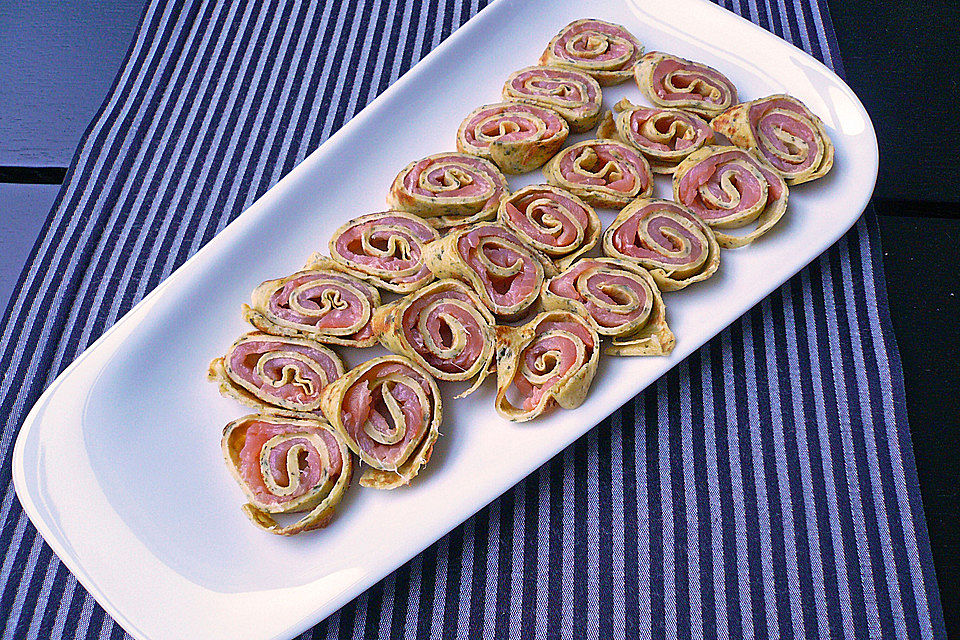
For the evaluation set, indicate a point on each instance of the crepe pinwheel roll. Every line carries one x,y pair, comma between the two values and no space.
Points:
517,137
608,52
385,249
665,238
604,173
321,303
449,189
663,136
287,465
790,136
669,81
504,272
620,300
549,361
728,188
444,327
571,93
555,222
388,410
265,371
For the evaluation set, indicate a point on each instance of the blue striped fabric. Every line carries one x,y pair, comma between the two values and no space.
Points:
765,488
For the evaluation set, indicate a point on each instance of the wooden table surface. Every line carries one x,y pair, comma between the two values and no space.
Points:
58,60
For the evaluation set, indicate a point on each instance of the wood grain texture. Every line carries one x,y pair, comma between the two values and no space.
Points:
24,208
901,60
58,59
920,256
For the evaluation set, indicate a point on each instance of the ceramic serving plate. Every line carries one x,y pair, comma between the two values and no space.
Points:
118,464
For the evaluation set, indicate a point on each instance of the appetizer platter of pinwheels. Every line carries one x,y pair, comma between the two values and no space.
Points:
496,254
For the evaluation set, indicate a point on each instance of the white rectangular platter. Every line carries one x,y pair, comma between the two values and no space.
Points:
118,465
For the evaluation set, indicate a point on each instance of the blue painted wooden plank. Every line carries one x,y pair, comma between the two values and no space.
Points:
24,208
58,59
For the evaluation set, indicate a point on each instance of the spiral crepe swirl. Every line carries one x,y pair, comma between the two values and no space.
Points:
571,93
549,361
606,51
667,239
555,222
385,249
265,371
321,303
505,273
728,187
287,465
444,327
785,132
619,299
669,81
449,189
663,136
517,137
604,173
388,410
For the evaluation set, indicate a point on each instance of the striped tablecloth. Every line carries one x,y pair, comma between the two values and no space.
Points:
764,488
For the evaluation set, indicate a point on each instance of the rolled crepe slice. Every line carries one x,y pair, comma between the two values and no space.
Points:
444,327
606,51
385,249
504,272
604,173
321,303
287,465
571,93
449,189
619,299
549,361
517,137
264,371
665,238
669,81
785,132
729,187
663,136
555,222
388,410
